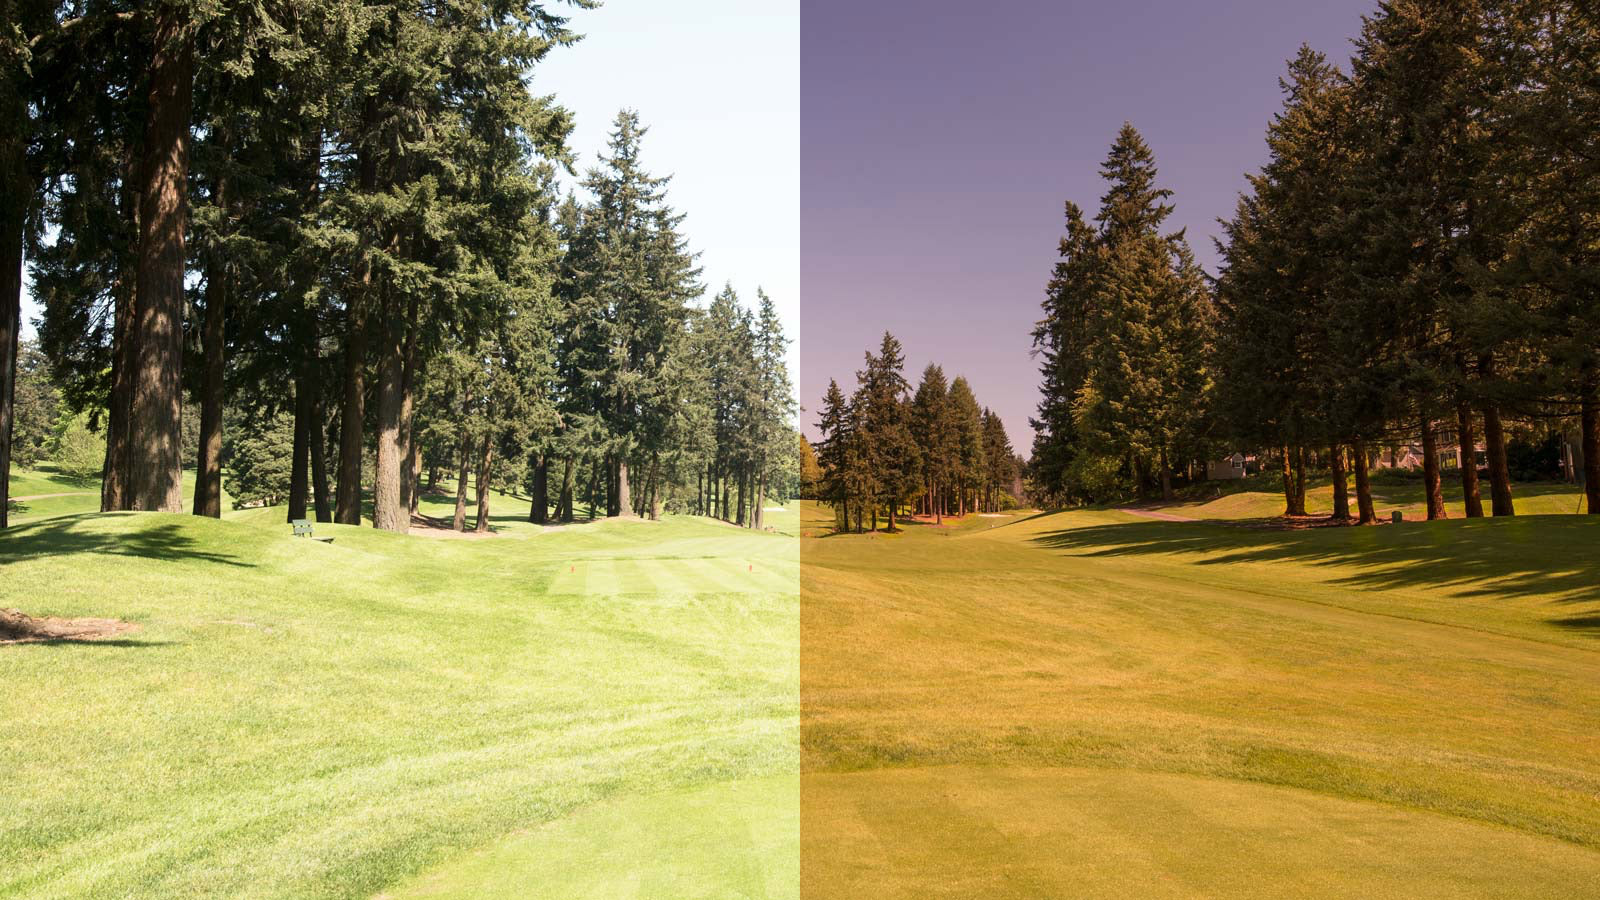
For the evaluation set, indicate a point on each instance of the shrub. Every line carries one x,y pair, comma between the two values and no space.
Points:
77,451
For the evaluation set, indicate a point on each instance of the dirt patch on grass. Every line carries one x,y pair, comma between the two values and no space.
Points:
20,628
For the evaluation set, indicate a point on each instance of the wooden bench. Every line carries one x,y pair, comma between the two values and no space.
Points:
302,528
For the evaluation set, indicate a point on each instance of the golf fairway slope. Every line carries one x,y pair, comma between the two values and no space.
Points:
1092,704
291,718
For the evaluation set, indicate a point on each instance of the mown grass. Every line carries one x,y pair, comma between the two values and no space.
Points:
1092,704
1261,497
297,719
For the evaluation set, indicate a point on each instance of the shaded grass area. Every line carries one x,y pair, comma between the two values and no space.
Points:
297,719
1440,676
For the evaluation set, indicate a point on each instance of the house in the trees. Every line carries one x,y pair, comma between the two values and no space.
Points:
1228,468
1409,454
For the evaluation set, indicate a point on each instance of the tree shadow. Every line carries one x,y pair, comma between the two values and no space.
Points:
52,537
1545,556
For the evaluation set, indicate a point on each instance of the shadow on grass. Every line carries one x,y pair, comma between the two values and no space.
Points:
1551,556
164,541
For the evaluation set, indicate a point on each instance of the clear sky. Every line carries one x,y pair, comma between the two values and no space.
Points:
941,138
718,84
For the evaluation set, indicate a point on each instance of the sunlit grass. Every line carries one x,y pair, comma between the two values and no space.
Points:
1092,704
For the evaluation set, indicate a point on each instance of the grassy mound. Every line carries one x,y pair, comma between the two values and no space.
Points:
295,718
1449,671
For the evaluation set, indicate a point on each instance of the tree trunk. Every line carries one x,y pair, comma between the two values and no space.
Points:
155,457
484,474
1300,480
319,454
1494,441
208,467
1589,423
413,476
389,511
1288,484
624,492
299,463
1341,484
1467,452
539,509
408,411
564,505
1363,484
460,521
10,314
1431,486
114,481
352,415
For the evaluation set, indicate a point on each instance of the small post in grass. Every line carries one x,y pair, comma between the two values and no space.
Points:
1397,517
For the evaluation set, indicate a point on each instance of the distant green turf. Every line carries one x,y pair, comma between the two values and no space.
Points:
1091,704
297,719
1254,498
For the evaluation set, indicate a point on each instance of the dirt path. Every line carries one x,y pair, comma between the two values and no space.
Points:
48,496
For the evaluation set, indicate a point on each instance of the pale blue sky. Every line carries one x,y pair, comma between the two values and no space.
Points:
718,84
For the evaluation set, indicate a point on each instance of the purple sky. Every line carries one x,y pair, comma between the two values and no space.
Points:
940,139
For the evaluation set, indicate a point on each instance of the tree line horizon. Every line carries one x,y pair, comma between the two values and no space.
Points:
335,229
1419,255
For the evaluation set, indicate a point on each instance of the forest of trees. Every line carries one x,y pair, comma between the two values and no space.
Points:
1420,255
334,232
886,449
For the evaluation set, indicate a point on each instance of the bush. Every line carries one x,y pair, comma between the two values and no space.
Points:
77,451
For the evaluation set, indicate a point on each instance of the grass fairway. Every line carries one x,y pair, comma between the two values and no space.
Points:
295,719
1093,704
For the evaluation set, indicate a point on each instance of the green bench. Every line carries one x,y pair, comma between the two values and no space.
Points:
302,528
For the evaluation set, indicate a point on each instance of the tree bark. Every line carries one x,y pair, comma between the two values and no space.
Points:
352,416
299,474
1467,452
1288,484
1166,477
319,453
10,318
564,505
389,510
485,460
155,457
1589,424
1341,485
1433,490
539,509
460,521
408,415
1494,441
114,483
624,504
1363,484
208,467
1300,480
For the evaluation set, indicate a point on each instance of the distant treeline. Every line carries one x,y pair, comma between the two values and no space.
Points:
1419,256
334,227
885,449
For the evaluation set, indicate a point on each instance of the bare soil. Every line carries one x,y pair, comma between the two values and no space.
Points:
20,628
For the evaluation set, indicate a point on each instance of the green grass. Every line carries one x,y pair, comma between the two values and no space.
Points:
295,719
1092,704
735,839
1254,497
